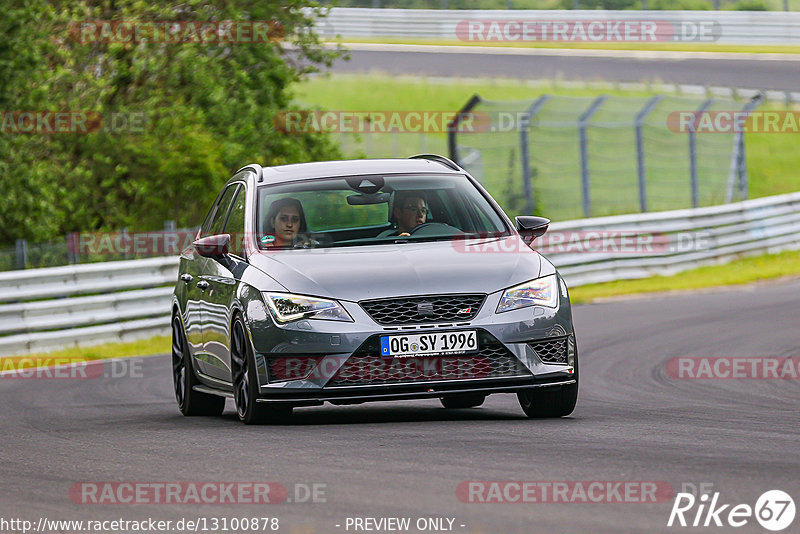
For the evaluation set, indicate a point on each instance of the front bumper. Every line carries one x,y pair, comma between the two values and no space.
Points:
414,391
311,362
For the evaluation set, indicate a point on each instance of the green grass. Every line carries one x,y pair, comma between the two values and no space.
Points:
671,47
772,158
141,347
742,271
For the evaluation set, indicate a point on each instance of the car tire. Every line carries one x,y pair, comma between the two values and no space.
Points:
245,382
550,402
190,402
464,400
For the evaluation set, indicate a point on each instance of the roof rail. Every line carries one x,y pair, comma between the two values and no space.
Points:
256,168
447,162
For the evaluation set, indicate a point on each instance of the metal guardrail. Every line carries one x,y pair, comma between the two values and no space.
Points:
125,300
99,302
729,27
716,235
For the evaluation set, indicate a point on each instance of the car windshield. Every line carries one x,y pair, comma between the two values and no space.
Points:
375,209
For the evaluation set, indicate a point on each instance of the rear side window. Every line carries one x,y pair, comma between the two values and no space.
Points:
221,213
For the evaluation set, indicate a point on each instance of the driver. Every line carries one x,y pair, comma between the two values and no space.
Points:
410,210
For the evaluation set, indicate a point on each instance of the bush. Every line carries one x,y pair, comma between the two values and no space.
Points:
681,5
207,107
750,5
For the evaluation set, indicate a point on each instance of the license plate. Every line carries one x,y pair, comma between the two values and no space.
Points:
433,344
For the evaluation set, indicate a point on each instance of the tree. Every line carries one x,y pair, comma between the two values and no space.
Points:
177,117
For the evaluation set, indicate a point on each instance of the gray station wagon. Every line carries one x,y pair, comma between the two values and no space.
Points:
367,280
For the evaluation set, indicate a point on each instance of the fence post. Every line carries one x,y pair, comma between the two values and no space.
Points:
737,175
742,170
742,160
125,243
583,123
733,171
525,161
525,157
693,151
73,242
22,254
640,167
452,127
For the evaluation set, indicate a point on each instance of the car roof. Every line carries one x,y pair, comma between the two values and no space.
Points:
354,167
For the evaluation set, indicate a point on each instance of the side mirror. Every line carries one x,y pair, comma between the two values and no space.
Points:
213,246
530,225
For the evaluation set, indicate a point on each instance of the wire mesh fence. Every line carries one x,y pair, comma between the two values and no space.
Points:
395,144
572,157
92,247
563,157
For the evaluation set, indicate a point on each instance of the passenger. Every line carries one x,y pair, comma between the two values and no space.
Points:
284,222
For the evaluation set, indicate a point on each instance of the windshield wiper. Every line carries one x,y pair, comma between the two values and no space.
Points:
459,236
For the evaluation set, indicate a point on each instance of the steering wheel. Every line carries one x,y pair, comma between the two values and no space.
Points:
437,227
418,227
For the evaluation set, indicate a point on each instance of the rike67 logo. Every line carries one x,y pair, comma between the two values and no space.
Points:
774,510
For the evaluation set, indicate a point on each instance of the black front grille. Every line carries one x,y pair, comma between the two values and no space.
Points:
421,310
367,367
292,367
551,350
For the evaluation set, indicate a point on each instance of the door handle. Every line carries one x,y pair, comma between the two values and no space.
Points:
186,277
202,284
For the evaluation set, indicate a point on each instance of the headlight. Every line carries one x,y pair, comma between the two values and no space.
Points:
540,292
286,307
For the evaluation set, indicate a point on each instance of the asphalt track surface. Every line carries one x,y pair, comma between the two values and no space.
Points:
406,459
763,74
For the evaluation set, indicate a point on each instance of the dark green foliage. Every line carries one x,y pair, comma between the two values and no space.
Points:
751,5
201,111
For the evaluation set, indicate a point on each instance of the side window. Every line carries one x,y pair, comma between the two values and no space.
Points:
235,225
209,216
220,216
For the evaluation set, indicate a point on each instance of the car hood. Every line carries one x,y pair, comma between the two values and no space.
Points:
391,270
